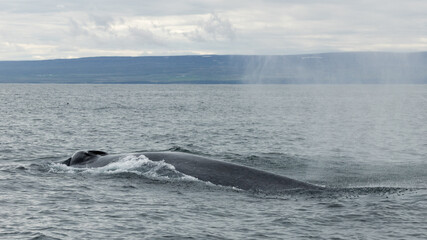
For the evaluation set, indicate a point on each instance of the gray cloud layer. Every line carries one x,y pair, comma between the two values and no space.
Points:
60,29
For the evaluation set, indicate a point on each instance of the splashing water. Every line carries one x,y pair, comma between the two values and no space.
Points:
139,165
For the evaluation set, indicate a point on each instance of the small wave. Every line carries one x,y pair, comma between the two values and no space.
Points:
379,190
334,194
138,165
41,236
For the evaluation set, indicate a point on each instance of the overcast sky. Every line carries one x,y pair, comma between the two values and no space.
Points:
46,29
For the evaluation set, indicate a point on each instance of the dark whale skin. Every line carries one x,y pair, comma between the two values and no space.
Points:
203,168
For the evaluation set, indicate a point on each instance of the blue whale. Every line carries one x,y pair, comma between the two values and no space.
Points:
205,169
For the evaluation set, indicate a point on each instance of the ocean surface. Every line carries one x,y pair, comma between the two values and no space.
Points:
367,144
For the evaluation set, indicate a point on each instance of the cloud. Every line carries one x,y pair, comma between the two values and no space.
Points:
218,28
145,36
212,28
165,27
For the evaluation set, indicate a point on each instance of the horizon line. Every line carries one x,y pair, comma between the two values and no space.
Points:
209,55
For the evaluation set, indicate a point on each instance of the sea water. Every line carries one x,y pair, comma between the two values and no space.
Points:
367,144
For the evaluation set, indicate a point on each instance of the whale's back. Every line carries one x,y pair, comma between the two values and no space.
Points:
227,174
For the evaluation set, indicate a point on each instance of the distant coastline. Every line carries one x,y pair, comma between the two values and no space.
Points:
324,68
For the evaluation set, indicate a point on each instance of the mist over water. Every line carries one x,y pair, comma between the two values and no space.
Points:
337,68
365,143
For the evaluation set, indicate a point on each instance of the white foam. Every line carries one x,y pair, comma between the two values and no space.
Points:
61,168
139,165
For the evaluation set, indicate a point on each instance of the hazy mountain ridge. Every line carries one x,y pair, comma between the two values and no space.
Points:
358,67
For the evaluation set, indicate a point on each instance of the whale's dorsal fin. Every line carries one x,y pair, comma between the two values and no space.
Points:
97,152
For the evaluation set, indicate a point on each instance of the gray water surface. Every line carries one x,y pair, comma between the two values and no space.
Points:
366,143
